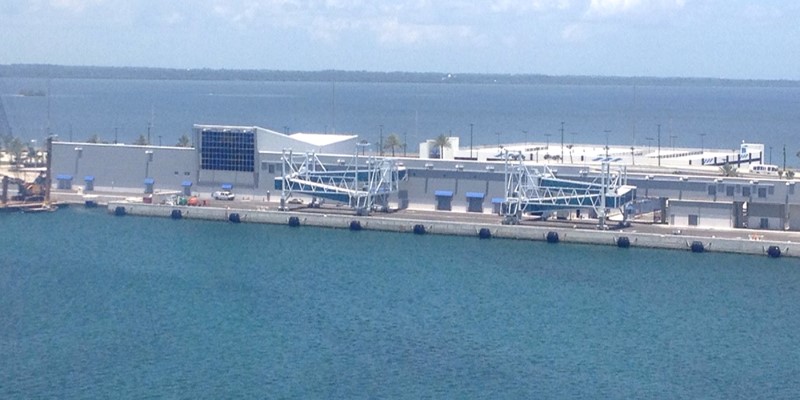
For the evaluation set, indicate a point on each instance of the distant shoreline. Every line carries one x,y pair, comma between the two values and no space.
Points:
44,71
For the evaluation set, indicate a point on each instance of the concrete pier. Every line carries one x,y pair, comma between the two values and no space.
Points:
560,233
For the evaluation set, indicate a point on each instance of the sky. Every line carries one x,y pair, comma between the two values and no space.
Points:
735,39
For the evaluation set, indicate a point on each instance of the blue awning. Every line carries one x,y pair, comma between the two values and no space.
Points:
227,186
475,195
149,181
186,183
498,200
88,178
64,177
443,193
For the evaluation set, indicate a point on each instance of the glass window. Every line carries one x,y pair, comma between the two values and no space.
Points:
227,150
729,190
693,220
762,192
746,191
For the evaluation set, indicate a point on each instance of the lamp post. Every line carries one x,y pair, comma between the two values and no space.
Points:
470,139
547,135
607,131
380,143
562,141
659,145
672,141
702,142
405,142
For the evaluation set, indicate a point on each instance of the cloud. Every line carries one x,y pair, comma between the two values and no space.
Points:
74,5
575,33
392,31
608,8
524,6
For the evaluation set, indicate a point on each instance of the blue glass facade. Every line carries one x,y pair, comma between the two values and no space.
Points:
227,150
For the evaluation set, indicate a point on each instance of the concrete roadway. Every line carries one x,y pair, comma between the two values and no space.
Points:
258,202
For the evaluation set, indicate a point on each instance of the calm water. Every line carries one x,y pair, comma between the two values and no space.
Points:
724,116
96,306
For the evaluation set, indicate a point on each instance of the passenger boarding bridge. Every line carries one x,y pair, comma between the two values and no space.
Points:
363,187
530,191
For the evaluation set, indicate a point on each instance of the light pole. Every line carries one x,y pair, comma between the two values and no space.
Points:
672,141
562,141
547,135
607,131
524,132
405,142
380,143
702,143
470,139
659,145
498,138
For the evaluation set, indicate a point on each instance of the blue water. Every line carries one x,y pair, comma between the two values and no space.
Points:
96,306
690,116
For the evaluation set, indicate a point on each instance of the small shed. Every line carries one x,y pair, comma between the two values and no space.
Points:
89,181
444,200
475,201
187,188
148,185
497,204
64,181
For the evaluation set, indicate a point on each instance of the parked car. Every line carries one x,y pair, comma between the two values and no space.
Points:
224,195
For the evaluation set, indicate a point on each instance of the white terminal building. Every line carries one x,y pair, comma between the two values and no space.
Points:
676,186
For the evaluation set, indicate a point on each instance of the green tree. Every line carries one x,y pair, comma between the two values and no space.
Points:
441,142
392,142
728,170
184,141
141,141
15,147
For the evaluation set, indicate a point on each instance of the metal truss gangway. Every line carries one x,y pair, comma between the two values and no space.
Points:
529,190
364,184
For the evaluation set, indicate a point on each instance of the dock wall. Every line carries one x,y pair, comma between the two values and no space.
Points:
441,227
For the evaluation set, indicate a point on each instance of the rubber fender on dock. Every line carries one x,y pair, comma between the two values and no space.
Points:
294,222
484,233
774,251
90,204
697,247
623,242
176,214
552,237
419,229
119,211
355,225
235,218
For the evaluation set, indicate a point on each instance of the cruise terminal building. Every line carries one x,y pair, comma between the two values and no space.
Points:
686,189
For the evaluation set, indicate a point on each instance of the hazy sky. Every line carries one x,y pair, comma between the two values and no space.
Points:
680,38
